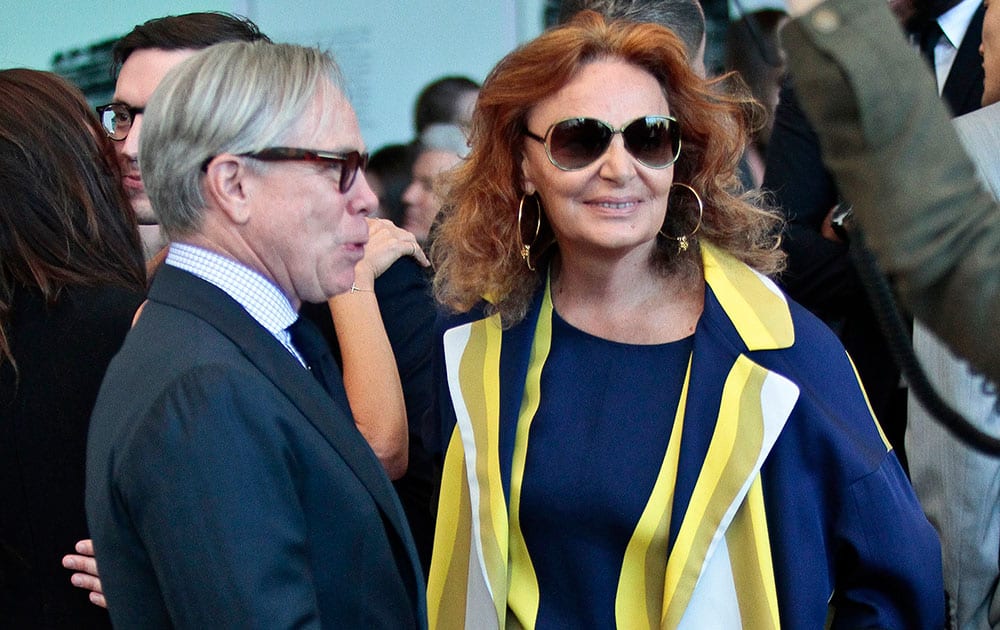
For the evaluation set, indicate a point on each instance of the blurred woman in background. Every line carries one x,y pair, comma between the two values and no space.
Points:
71,278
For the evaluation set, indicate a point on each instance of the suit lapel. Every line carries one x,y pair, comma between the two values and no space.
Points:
182,290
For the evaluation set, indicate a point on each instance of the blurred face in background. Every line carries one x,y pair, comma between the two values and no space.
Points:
990,50
140,75
422,202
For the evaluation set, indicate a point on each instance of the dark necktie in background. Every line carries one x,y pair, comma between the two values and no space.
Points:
928,39
310,343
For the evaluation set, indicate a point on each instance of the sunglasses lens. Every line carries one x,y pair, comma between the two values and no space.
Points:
577,142
653,140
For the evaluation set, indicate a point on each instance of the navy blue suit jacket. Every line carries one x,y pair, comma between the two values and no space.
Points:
226,489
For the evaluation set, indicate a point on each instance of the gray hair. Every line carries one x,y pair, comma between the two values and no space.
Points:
683,17
444,137
237,97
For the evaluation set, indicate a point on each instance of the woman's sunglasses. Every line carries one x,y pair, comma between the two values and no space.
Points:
574,143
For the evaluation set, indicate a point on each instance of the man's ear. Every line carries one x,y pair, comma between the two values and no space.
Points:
225,186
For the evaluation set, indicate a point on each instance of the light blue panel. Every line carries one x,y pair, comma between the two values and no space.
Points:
389,49
31,32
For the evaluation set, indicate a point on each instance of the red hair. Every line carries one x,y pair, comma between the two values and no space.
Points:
476,249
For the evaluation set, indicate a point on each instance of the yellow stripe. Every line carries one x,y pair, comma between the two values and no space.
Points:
639,600
524,590
871,411
760,315
753,567
731,457
446,586
479,366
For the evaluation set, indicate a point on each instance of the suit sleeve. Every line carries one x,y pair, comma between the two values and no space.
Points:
209,482
897,158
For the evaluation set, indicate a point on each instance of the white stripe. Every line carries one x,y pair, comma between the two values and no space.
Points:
480,609
714,603
777,398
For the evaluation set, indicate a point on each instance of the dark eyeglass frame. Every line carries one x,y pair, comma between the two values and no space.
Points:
672,128
350,162
132,112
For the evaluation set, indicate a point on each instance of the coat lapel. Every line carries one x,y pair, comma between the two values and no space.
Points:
724,446
182,290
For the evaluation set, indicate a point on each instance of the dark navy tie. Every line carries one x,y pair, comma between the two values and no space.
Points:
930,35
309,341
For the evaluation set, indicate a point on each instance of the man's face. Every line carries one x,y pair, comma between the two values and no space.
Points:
304,234
422,203
139,76
990,50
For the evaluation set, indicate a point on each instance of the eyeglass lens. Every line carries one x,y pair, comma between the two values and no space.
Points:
117,119
353,162
350,163
653,140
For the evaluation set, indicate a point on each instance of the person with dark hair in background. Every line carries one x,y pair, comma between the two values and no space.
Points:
390,170
448,100
642,431
140,59
71,278
684,17
438,150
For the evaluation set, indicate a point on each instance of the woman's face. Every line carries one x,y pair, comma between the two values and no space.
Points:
615,205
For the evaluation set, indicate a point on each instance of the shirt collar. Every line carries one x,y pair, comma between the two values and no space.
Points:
955,21
261,298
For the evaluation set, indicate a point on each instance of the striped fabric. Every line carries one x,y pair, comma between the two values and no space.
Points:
481,575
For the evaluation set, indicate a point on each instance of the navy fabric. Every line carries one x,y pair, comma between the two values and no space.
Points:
596,446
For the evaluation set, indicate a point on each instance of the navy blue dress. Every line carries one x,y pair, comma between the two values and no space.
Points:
594,451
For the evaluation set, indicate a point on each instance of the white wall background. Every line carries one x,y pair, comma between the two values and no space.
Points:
388,49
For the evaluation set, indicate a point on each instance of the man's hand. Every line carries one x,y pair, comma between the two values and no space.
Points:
86,577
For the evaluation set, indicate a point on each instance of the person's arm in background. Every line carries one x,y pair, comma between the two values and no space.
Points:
819,274
371,378
889,142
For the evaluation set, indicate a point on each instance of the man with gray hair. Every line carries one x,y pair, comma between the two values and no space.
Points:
225,486
684,17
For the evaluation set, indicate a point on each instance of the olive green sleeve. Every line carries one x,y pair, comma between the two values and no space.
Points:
895,155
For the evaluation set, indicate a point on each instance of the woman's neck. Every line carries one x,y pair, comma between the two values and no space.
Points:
626,300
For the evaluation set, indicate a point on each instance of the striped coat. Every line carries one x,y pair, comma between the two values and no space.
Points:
779,501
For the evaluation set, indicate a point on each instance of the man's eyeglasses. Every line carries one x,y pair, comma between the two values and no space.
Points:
574,143
117,119
350,162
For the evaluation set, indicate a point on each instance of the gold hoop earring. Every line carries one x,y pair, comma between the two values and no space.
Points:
526,249
682,241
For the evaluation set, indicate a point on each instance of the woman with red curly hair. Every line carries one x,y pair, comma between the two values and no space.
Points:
641,430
